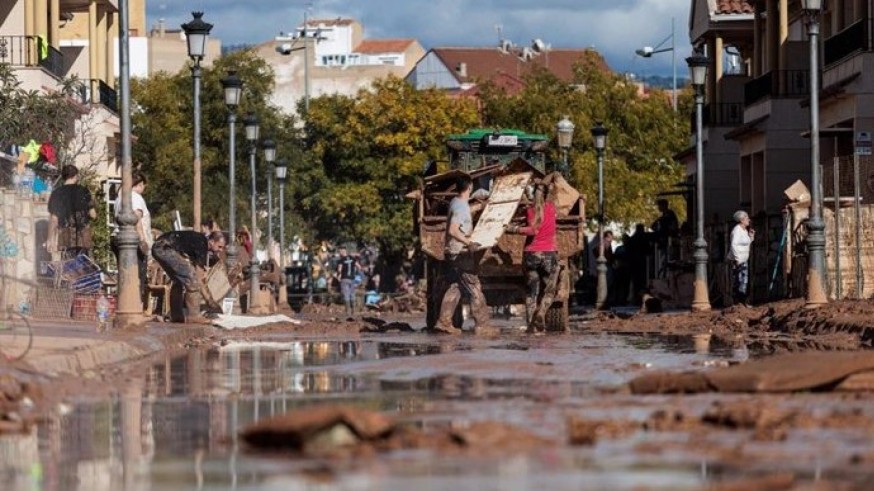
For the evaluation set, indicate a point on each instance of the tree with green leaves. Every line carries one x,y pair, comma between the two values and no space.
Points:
366,152
644,133
163,126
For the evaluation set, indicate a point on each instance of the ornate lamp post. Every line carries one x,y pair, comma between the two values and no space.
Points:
281,174
253,130
269,147
130,308
599,134
565,131
698,71
233,88
816,227
197,34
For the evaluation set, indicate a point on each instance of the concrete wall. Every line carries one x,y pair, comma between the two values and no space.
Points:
169,52
11,18
25,221
78,27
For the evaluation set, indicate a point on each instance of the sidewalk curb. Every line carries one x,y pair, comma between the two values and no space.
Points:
117,348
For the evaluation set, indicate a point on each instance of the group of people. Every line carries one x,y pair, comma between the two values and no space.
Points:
540,259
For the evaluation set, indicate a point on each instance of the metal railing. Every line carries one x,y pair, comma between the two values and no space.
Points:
108,96
23,51
777,84
851,40
54,62
724,114
96,91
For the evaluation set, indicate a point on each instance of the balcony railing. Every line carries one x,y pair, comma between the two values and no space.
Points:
98,92
723,114
108,96
851,40
777,84
54,62
23,51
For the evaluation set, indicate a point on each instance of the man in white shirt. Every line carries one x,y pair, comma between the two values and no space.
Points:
143,226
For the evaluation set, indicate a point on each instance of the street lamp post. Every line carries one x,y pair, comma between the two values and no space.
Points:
281,174
565,131
698,72
250,122
599,134
816,227
648,51
269,147
130,308
197,34
233,88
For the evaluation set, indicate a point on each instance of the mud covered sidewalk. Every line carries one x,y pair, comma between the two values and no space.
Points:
773,327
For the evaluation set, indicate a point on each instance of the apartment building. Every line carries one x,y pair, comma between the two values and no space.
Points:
725,29
48,40
332,56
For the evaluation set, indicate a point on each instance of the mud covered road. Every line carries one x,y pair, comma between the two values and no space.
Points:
509,412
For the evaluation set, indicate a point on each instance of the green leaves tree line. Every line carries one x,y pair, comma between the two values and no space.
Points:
353,158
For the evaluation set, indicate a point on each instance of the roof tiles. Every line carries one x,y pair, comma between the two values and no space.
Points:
490,63
380,46
734,7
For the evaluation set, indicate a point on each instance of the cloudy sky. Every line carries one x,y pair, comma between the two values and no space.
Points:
615,27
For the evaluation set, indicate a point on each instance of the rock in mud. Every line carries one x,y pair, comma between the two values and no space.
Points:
318,430
487,435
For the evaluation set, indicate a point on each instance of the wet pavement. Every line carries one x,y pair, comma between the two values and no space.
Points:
174,425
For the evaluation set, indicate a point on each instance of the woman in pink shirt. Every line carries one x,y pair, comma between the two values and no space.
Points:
541,256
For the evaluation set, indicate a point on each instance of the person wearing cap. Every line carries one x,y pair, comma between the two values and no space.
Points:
739,255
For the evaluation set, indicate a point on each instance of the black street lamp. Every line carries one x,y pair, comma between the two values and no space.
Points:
197,34
816,227
599,134
233,88
253,131
281,169
565,131
698,64
269,147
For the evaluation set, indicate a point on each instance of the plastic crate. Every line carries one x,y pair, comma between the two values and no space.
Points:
85,306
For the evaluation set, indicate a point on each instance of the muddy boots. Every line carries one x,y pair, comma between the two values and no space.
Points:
193,301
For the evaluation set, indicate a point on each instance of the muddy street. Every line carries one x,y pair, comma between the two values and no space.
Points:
546,412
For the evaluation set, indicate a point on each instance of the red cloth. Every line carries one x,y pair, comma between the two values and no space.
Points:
541,239
47,150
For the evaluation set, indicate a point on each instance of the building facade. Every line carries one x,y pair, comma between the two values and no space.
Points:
332,56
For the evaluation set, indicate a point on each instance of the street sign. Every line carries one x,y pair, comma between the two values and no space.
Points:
863,143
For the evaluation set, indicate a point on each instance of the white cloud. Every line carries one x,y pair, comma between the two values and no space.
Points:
615,27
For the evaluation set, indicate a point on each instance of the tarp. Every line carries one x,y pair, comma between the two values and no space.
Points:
244,322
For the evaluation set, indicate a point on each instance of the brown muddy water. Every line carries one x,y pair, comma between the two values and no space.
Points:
175,425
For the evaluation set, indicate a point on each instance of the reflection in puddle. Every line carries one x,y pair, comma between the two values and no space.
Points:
175,425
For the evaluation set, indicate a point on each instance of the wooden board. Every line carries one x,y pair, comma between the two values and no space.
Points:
506,193
217,284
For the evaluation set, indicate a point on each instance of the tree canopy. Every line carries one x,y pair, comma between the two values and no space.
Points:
353,158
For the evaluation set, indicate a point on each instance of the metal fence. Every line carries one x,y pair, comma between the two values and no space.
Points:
848,200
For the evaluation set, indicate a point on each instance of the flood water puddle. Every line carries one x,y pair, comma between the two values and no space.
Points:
175,425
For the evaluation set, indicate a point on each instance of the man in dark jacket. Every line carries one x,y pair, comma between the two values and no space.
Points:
185,256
